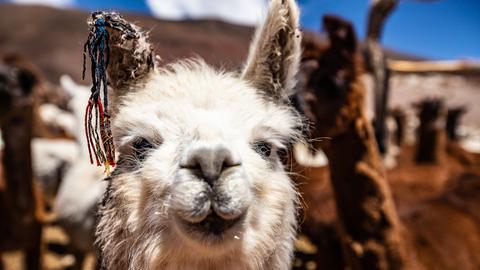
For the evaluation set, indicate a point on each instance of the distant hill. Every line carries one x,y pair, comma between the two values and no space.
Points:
53,38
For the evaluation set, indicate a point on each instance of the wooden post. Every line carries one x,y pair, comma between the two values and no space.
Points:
453,120
20,204
376,63
431,130
401,121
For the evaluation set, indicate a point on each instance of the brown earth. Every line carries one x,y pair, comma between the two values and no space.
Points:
437,203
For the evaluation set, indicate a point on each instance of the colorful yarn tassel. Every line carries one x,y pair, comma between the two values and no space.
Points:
97,118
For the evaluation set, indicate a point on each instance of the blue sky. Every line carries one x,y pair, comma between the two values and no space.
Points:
442,29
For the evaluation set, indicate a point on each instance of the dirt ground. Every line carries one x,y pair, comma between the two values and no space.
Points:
51,234
51,260
436,203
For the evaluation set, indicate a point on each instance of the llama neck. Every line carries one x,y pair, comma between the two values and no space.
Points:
352,148
17,159
366,210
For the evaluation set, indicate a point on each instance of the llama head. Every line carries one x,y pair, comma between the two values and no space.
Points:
199,168
17,82
331,94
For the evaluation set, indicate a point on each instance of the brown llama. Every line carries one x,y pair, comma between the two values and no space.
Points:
20,202
333,100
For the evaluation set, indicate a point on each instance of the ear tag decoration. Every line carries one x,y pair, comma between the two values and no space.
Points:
97,118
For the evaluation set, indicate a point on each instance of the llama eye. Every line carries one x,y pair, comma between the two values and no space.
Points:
282,154
263,148
141,147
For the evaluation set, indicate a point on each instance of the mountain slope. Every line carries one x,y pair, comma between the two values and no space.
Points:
53,38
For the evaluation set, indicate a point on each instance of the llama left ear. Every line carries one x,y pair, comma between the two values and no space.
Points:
275,52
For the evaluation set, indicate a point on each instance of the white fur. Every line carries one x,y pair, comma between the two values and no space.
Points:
51,156
186,105
306,158
54,116
76,203
79,97
50,159
193,102
82,187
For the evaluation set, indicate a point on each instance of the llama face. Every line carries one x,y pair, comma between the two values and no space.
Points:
202,148
199,169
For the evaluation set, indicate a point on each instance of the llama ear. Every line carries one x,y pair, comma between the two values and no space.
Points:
122,50
125,51
275,52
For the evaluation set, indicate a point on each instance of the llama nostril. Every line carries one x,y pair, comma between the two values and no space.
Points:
209,162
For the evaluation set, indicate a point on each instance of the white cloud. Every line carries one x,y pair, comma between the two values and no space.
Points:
245,12
55,3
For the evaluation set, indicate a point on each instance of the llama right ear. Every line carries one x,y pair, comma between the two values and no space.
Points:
120,49
274,56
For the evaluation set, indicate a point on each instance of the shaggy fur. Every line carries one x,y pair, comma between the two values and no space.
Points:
333,99
155,203
82,187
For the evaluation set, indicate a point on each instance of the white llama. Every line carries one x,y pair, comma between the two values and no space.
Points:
199,183
82,186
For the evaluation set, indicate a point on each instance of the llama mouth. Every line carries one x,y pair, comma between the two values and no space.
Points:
214,225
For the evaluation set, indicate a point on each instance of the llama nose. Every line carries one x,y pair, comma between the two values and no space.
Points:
209,162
